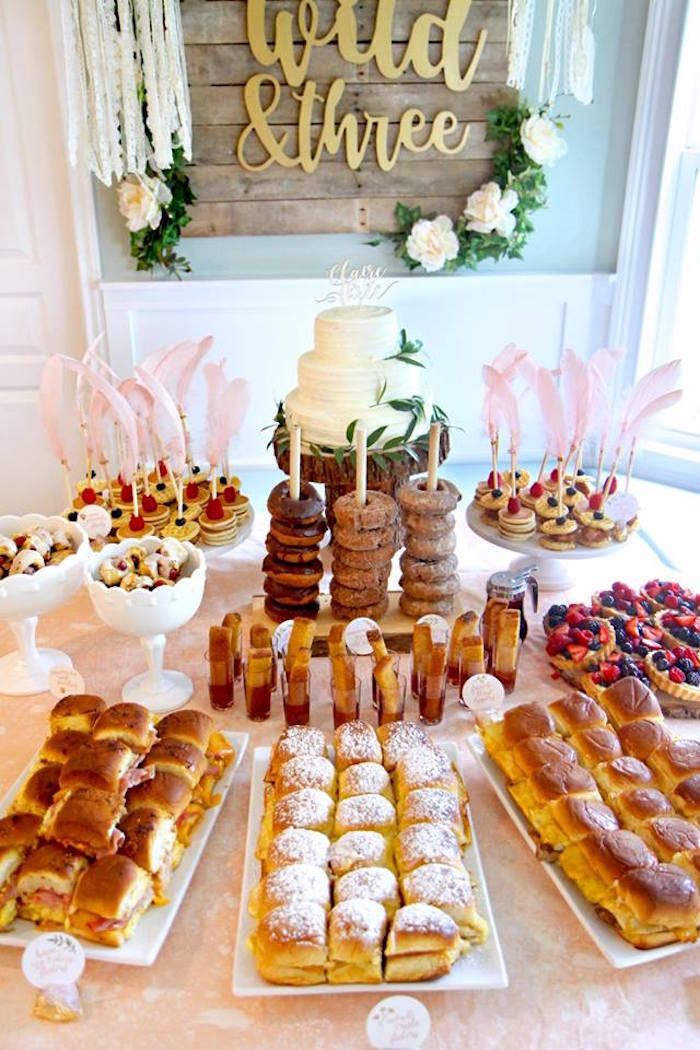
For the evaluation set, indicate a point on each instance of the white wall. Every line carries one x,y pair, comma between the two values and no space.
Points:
261,328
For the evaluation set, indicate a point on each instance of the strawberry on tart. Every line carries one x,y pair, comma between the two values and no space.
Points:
580,648
621,600
516,521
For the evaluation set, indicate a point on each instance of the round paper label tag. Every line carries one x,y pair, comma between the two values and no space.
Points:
280,637
53,958
398,1023
482,692
96,521
622,507
65,681
439,627
356,635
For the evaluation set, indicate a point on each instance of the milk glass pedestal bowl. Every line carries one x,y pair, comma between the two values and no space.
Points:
24,598
149,616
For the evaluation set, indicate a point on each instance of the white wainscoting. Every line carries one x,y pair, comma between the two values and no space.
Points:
261,328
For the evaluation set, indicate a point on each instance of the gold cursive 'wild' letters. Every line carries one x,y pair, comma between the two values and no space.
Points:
294,37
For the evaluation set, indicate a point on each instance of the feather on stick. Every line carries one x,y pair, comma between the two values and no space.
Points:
50,391
577,390
553,414
166,419
123,416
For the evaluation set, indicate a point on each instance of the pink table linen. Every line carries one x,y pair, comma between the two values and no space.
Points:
562,991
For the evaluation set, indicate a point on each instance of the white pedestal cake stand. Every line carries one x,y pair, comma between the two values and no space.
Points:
552,571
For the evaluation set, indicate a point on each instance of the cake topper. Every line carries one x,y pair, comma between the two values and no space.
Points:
352,285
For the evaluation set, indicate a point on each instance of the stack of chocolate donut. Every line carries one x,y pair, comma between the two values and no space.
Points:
364,542
292,566
429,578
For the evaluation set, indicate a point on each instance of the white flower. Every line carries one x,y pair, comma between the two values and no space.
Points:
489,210
141,200
541,140
432,243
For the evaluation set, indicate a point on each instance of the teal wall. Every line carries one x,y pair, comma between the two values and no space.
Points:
577,234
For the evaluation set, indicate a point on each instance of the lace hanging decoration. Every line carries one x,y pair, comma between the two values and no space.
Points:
521,17
581,54
111,49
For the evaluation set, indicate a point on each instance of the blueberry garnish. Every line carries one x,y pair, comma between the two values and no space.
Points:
73,515
598,515
179,521
552,501
117,512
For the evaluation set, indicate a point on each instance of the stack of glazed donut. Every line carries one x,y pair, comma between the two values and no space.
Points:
292,566
429,578
364,542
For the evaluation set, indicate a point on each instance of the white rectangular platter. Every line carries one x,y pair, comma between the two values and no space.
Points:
618,952
482,967
143,948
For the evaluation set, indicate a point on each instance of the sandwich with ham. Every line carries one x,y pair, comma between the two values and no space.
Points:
45,883
37,793
171,796
105,765
109,899
197,728
78,712
19,833
85,820
130,723
151,842
61,745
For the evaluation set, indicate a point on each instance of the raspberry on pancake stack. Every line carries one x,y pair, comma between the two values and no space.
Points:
364,542
429,578
292,566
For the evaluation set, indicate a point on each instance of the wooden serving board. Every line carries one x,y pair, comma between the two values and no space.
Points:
396,628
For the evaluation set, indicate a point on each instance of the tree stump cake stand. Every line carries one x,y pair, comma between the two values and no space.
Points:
339,478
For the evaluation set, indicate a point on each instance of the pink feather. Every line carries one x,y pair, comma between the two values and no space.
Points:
50,394
649,388
141,401
97,409
216,420
236,402
576,385
166,419
553,414
189,367
636,425
603,366
153,360
505,404
123,416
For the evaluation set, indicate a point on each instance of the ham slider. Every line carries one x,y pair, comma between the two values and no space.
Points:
77,712
130,723
150,840
37,792
10,861
105,765
110,898
171,796
61,745
86,820
46,882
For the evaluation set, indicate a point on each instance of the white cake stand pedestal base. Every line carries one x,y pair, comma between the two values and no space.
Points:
158,690
26,671
551,567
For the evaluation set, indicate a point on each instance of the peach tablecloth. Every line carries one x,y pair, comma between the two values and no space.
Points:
562,991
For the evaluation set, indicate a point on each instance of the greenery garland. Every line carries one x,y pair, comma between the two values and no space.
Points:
157,247
515,170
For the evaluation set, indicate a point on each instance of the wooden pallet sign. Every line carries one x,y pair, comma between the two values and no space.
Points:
316,116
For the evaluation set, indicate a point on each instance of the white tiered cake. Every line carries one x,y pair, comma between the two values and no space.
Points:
342,378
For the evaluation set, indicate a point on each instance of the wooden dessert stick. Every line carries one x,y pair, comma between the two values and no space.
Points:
494,460
560,485
513,466
295,461
543,464
433,456
361,466
599,470
66,479
179,489
630,462
611,475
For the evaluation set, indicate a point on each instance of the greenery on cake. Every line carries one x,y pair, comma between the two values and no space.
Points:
381,453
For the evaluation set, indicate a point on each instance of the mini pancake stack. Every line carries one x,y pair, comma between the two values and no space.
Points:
429,578
292,566
364,543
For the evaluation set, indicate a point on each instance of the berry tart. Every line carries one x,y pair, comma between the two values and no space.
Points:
665,594
618,665
636,637
621,600
679,628
580,648
573,615
676,671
